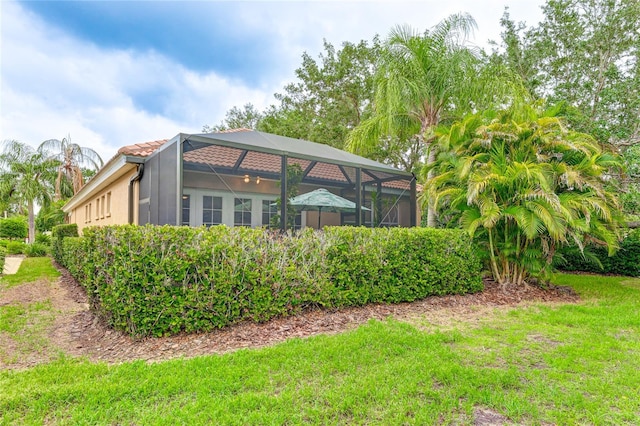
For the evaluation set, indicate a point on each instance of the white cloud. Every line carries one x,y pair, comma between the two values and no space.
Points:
52,84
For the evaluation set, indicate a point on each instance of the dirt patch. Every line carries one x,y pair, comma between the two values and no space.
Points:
486,417
31,344
78,332
26,293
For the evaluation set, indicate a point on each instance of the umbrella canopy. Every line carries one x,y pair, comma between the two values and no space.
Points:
322,200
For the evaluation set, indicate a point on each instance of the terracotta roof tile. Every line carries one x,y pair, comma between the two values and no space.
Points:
143,149
214,155
227,157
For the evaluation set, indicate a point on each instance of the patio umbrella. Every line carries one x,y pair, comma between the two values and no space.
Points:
322,200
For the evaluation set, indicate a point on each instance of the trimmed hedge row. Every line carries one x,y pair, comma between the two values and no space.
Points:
59,233
626,261
156,280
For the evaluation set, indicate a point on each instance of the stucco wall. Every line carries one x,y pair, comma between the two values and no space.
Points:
108,206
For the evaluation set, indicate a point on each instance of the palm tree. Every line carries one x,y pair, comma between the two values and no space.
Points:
523,185
72,158
26,177
424,79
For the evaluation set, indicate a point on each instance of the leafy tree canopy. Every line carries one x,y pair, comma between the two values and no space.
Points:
246,117
424,79
26,178
331,95
72,159
50,215
585,53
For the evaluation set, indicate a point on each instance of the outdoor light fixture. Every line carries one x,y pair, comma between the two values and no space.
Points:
246,178
258,180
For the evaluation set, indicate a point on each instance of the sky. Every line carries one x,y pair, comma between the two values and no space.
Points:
115,73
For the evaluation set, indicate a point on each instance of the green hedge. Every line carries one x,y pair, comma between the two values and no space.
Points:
58,234
15,227
3,254
626,261
162,280
16,247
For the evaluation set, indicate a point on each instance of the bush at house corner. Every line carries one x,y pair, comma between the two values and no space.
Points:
58,234
160,280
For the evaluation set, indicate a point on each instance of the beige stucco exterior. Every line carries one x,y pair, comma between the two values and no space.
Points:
105,200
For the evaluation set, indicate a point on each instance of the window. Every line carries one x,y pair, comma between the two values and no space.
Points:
214,207
102,203
108,203
297,224
89,213
350,218
186,209
211,210
390,215
242,212
268,211
97,208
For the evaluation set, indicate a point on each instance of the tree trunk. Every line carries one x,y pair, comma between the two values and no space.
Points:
431,214
32,222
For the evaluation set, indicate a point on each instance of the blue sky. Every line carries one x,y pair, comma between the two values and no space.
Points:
113,73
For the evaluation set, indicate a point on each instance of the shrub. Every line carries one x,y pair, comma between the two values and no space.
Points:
16,247
158,280
43,239
58,234
3,243
35,250
626,261
3,253
73,255
14,228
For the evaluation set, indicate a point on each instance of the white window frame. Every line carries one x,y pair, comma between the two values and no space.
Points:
195,205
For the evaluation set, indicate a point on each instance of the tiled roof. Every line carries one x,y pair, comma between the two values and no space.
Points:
143,149
227,157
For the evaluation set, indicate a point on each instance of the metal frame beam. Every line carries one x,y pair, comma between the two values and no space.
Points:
240,160
358,188
283,193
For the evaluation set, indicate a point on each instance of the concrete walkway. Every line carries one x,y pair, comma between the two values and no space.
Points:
11,264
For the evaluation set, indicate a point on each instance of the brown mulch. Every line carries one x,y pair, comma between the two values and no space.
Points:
78,332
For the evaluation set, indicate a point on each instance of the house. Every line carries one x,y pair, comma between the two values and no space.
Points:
233,178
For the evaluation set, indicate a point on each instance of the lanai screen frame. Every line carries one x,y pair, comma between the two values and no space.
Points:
283,147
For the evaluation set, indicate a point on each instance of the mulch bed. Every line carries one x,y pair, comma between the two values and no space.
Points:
83,334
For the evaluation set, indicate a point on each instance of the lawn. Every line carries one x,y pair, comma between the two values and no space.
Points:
31,269
536,364
23,326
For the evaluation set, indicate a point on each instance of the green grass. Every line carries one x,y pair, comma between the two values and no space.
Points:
561,364
31,269
25,327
